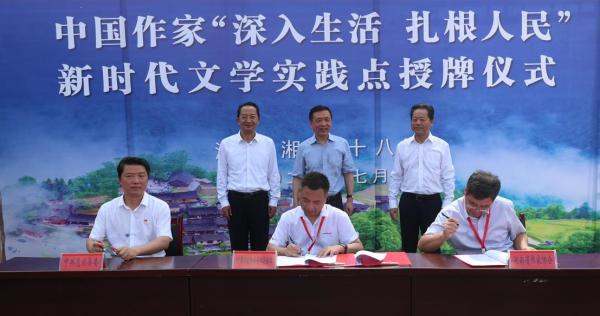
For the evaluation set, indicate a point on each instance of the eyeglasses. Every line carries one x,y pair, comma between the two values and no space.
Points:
475,207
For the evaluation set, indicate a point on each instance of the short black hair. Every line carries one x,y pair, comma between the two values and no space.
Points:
429,108
483,184
137,161
315,181
318,108
252,104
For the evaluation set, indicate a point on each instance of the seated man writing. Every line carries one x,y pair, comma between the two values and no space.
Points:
479,221
136,223
314,227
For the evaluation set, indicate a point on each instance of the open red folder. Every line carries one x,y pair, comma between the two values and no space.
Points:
372,259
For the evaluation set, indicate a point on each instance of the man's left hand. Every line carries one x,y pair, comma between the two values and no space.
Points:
349,206
330,251
272,211
126,253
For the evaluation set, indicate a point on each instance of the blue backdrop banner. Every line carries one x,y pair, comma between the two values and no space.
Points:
514,84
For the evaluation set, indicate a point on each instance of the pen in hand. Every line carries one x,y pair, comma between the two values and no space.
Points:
300,251
447,217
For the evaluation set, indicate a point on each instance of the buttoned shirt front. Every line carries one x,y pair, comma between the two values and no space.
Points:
503,228
422,169
333,159
336,229
128,227
247,167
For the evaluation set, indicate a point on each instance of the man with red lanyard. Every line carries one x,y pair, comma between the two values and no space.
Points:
314,227
479,221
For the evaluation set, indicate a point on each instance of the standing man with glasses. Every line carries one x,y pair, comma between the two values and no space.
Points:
422,171
327,154
248,181
479,221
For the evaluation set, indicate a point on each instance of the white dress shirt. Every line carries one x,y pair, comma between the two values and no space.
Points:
247,167
422,169
503,228
337,229
131,228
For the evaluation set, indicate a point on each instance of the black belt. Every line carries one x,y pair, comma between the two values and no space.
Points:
334,195
246,195
422,196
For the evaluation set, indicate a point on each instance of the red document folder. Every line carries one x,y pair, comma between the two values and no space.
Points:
391,259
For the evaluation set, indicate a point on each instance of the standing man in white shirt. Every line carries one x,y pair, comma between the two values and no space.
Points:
136,224
248,181
422,171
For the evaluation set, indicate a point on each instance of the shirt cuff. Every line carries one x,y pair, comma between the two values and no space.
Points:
224,203
100,238
393,202
273,202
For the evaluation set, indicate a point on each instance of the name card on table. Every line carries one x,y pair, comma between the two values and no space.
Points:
532,259
265,260
82,261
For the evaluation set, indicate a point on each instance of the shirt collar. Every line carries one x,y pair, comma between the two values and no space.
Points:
412,139
123,205
240,139
324,212
313,139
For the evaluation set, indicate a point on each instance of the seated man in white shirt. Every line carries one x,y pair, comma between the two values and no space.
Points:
314,227
136,224
479,221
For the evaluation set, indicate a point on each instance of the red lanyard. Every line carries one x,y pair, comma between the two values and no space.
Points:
308,233
485,230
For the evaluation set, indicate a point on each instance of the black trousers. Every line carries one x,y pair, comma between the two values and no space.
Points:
249,220
417,212
336,201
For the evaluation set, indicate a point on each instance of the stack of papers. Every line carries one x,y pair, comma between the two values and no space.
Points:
362,258
491,258
306,261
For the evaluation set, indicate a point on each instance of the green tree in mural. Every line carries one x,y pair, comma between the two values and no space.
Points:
596,241
579,242
163,167
98,182
27,180
377,231
554,211
582,212
201,173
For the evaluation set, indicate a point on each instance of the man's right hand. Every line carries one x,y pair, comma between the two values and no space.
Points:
394,213
450,227
226,211
97,246
292,250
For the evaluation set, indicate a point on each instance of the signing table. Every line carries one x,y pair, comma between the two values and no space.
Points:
195,285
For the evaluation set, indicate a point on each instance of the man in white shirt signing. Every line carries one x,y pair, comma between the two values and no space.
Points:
314,227
479,221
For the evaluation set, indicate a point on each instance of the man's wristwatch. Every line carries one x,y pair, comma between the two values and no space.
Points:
348,196
345,248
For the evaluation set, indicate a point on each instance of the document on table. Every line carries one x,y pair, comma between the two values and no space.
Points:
491,258
307,260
